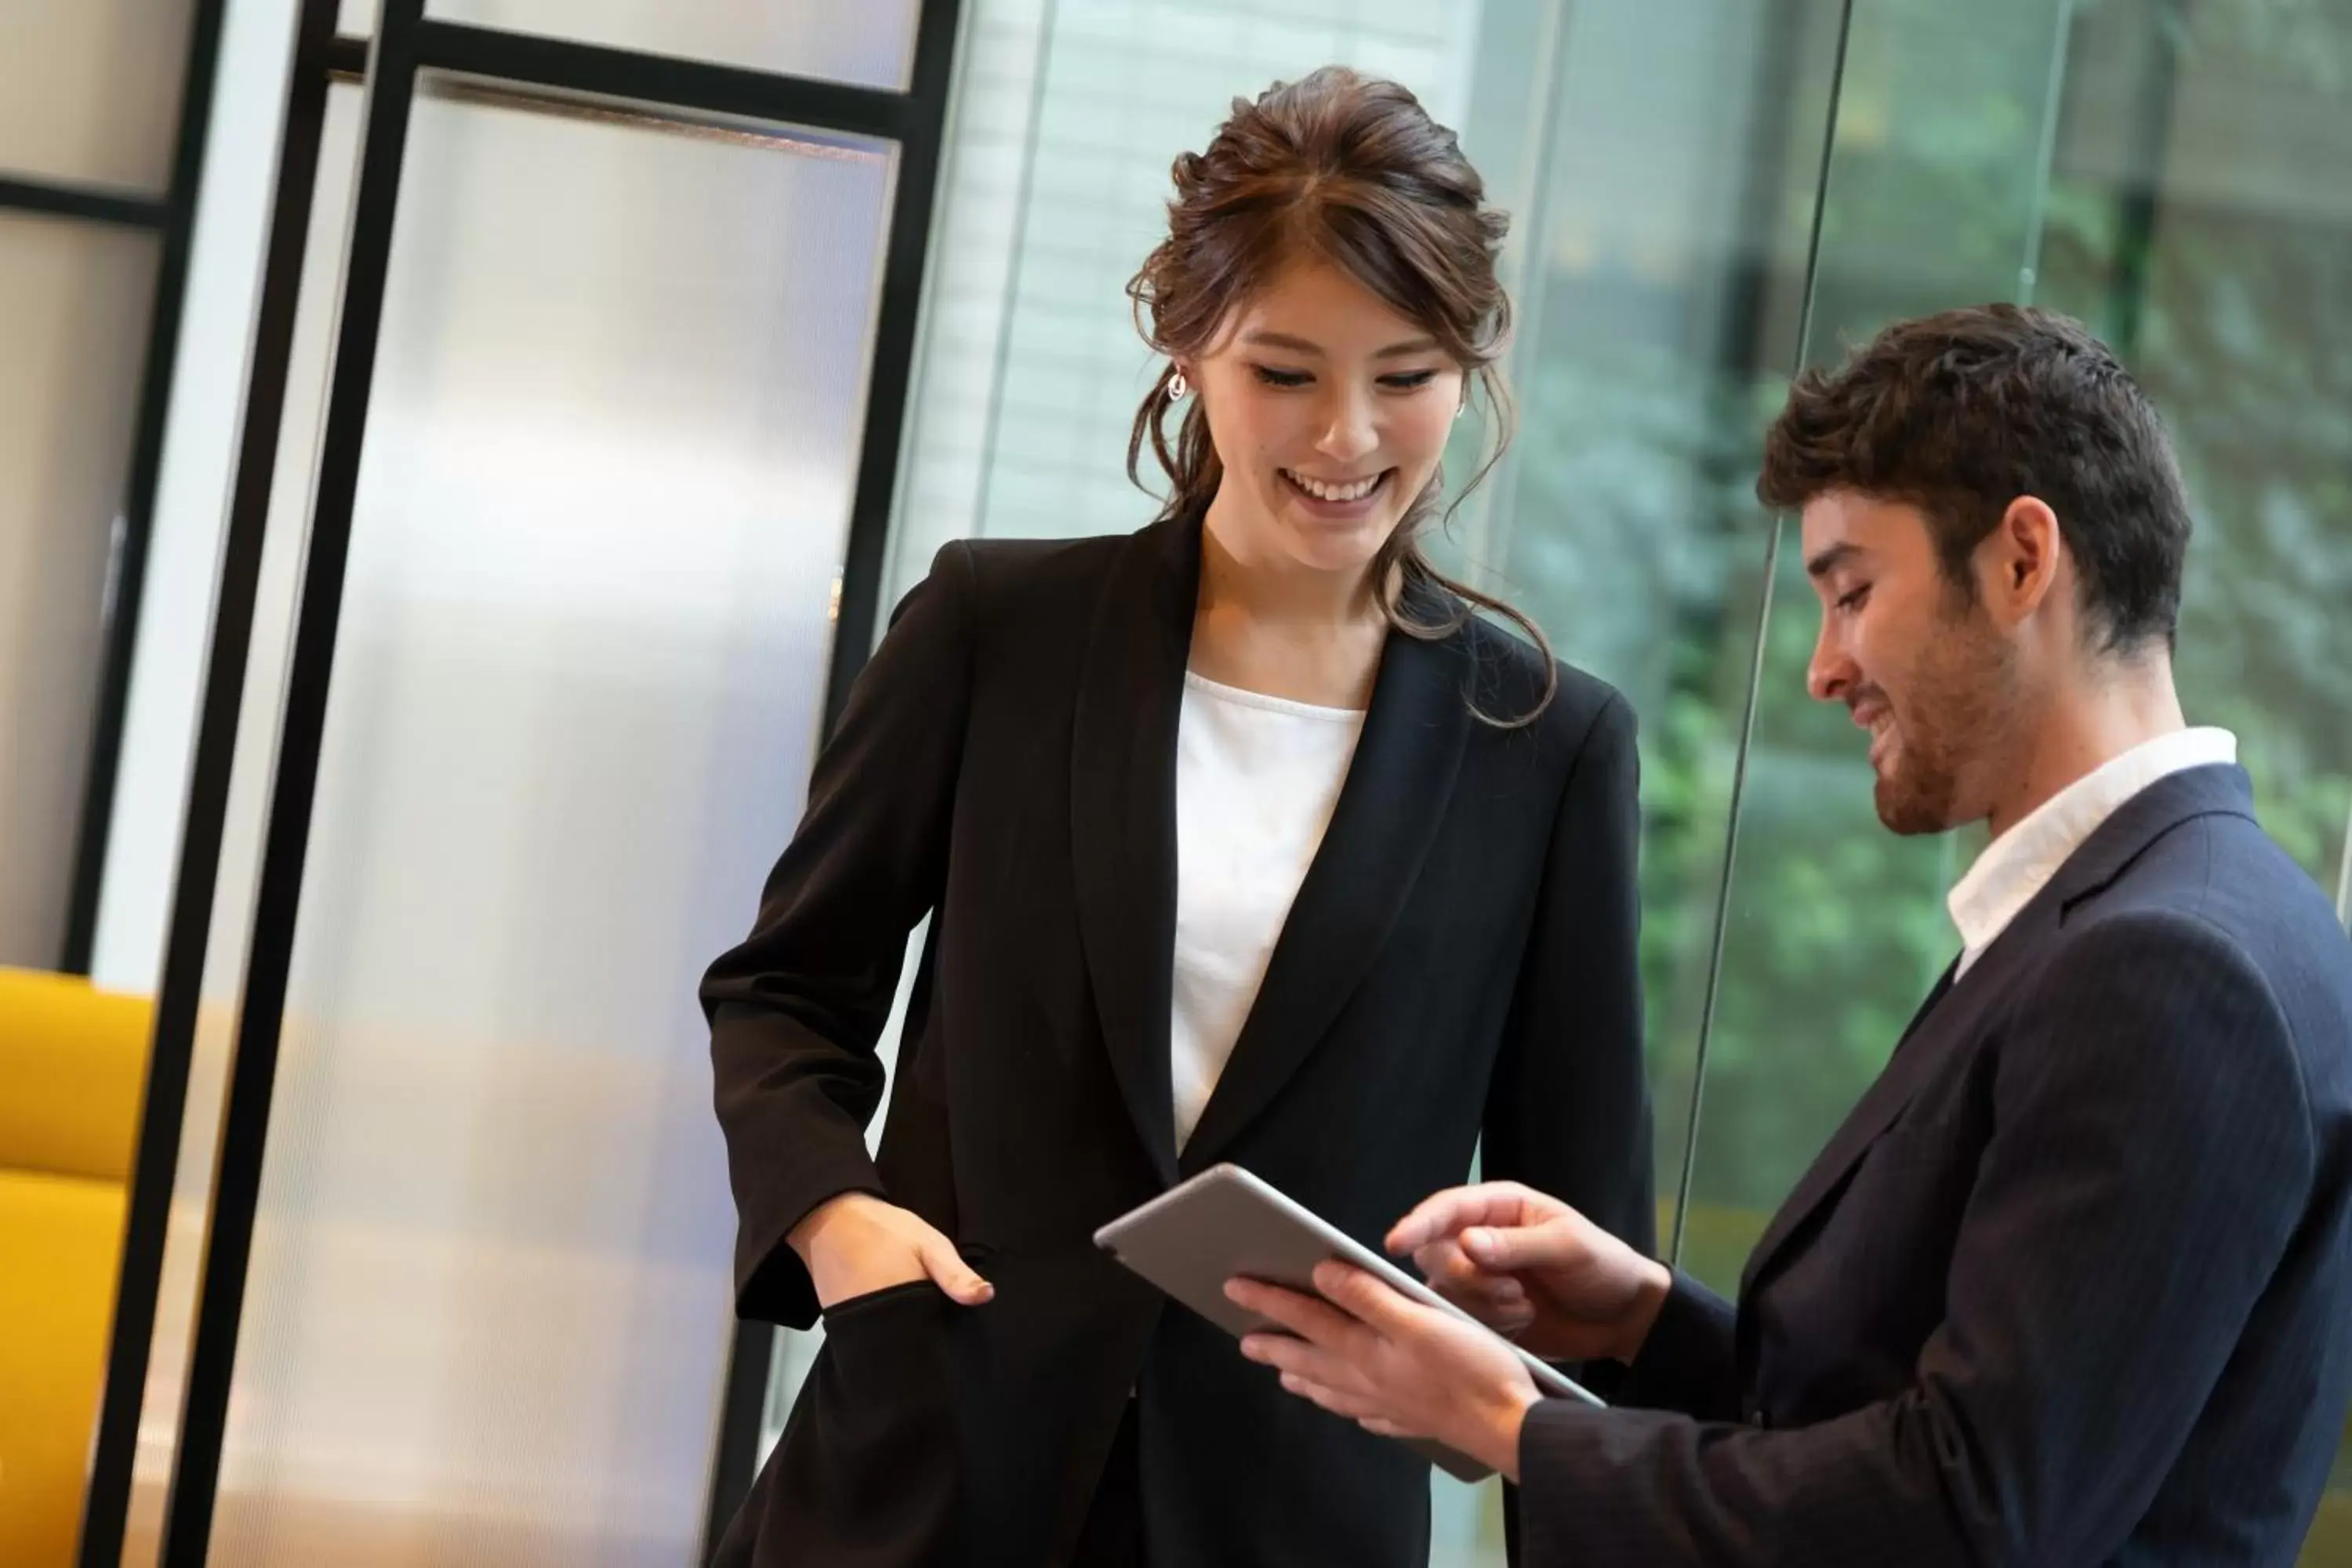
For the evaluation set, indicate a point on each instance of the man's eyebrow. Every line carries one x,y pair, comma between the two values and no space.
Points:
1830,559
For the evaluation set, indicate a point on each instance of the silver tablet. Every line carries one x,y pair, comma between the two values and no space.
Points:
1226,1221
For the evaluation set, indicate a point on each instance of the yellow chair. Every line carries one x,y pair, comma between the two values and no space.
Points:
72,1059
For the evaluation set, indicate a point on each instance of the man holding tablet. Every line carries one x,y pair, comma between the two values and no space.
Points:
2074,1282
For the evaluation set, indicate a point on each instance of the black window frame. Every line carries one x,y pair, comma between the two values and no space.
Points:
406,44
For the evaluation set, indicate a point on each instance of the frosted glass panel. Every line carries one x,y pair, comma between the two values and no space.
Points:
872,42
74,300
90,89
582,655
238,882
356,19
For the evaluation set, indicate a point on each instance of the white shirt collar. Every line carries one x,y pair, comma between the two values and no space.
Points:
2020,862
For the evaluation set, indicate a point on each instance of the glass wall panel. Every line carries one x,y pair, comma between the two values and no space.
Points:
583,647
74,300
981,214
1834,927
2144,166
872,42
90,89
1660,313
2186,225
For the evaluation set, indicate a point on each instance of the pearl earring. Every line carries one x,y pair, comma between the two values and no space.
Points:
1178,386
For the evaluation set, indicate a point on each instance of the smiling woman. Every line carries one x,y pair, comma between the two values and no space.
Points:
1336,420
1357,240
1242,838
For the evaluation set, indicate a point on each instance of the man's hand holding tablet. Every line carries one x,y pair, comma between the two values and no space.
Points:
1420,1367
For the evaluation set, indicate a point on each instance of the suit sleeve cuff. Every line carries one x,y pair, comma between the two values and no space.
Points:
1581,1496
1687,1363
772,1283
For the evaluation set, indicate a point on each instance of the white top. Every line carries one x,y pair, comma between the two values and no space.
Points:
2020,862
1256,780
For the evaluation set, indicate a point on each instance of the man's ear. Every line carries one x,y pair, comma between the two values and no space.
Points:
2020,562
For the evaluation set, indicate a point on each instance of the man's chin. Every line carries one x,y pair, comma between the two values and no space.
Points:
1908,811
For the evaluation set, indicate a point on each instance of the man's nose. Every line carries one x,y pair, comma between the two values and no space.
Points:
1830,673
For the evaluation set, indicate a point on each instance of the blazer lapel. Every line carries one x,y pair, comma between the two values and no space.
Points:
1123,812
1872,1115
2119,840
1388,814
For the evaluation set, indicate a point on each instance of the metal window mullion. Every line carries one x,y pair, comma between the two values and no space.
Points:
89,203
528,59
106,1501
244,1124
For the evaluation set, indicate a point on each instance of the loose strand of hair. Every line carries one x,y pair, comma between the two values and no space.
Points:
1407,564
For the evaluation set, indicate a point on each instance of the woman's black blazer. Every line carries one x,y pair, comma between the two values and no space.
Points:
1459,965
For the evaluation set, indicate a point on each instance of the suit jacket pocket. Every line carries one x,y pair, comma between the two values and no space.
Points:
868,1469
851,1307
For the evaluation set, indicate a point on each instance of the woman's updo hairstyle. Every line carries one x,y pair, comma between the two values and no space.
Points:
1349,170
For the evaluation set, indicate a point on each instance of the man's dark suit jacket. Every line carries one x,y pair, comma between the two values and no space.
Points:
1460,964
2072,1286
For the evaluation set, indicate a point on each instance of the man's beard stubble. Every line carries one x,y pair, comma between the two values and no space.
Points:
1962,694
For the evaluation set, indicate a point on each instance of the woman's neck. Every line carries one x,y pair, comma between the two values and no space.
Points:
1279,629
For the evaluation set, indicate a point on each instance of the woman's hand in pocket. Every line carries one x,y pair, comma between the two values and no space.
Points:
857,1244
